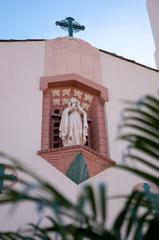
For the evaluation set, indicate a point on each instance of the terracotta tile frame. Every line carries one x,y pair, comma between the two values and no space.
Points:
65,80
99,141
61,158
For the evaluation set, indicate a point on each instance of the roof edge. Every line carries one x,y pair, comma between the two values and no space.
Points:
101,50
129,60
22,40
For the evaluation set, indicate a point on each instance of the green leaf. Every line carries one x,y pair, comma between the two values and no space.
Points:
119,221
142,114
91,200
102,200
153,230
144,161
153,101
133,216
140,223
142,144
140,173
78,170
144,129
140,119
1,177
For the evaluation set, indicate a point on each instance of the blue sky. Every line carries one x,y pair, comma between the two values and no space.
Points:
118,26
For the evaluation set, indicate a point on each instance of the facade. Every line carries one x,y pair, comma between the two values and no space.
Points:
153,8
37,79
30,68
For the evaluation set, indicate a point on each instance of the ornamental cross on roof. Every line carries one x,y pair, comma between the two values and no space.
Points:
70,25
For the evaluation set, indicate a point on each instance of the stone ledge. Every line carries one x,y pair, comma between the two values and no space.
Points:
65,80
61,158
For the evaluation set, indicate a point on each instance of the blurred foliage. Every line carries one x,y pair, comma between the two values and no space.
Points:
87,219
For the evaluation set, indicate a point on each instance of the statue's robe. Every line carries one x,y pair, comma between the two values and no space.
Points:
73,127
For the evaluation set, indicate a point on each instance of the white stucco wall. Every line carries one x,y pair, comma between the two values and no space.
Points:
21,66
128,81
125,81
153,10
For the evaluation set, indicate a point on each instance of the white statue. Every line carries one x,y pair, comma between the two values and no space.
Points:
73,126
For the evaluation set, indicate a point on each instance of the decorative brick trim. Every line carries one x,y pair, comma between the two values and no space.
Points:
65,80
61,158
45,140
94,96
95,111
98,128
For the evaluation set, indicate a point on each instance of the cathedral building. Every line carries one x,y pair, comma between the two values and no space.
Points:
45,84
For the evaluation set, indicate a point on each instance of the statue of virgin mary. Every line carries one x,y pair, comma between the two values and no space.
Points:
73,126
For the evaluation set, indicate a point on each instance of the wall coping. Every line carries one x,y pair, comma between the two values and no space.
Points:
61,158
78,148
65,80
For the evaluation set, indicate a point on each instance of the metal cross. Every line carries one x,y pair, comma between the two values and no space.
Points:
70,25
4,176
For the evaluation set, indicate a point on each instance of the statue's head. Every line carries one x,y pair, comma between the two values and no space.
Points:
73,102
